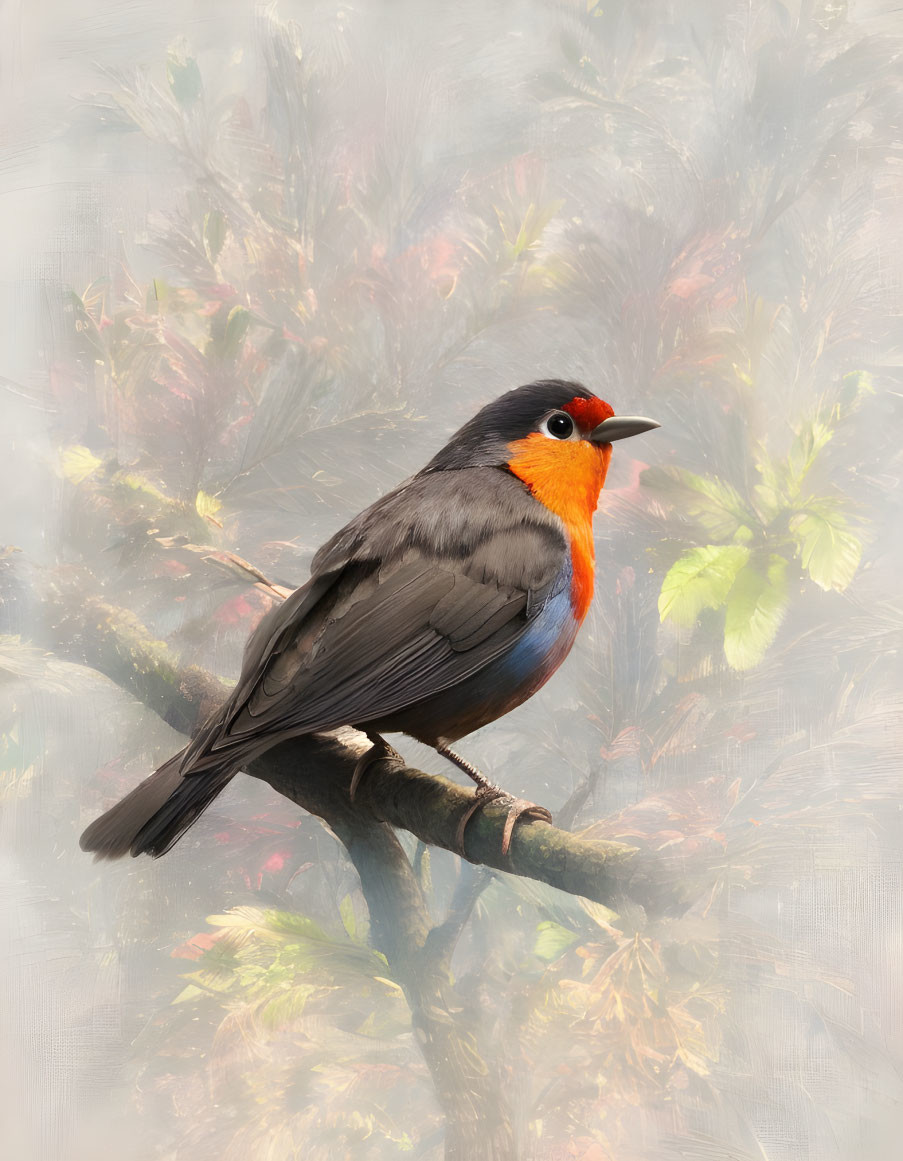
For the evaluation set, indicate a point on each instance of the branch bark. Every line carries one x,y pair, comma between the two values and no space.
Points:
478,1121
315,771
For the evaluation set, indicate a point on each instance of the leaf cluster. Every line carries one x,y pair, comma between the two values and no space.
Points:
747,574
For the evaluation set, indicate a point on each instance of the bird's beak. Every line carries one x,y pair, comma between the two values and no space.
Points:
620,426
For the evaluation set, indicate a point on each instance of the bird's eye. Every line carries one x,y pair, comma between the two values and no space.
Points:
558,425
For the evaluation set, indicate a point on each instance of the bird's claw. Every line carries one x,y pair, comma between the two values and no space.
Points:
517,808
380,751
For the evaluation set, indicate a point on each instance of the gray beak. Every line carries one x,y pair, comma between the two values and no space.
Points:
620,426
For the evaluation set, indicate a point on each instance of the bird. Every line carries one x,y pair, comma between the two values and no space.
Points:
444,605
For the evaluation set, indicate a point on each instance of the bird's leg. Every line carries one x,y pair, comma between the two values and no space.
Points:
488,792
380,751
484,786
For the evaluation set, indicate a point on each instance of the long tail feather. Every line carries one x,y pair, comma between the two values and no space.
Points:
156,813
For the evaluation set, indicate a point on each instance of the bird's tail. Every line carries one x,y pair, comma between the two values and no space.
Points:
157,812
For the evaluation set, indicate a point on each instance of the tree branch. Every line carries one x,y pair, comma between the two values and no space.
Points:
478,1123
315,771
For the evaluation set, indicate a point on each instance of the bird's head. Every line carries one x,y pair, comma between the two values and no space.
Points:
553,435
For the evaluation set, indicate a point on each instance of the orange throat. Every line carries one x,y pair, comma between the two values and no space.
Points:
567,476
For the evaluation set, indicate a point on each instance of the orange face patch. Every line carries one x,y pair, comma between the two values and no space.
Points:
567,476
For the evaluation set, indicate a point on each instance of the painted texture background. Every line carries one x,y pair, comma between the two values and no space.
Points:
258,263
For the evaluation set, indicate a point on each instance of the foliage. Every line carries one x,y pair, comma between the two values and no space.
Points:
681,209
314,1036
781,520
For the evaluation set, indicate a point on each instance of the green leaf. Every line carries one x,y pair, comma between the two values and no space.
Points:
237,325
598,912
714,504
287,1005
184,77
285,922
190,993
755,609
78,463
804,451
854,387
771,495
248,922
827,548
529,229
552,940
215,230
206,504
701,579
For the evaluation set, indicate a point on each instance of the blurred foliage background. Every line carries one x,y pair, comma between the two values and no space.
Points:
307,242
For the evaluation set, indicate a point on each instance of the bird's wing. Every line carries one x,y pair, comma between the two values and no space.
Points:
299,607
392,622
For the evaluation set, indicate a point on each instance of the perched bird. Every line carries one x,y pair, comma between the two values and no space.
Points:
439,608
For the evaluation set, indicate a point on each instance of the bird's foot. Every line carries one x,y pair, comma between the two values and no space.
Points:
488,792
380,751
517,808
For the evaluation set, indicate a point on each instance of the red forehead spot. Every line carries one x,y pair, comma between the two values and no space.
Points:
588,413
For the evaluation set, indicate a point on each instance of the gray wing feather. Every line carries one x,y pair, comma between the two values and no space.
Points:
264,642
397,611
387,651
473,610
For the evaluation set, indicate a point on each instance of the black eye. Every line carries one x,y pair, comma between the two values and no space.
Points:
559,425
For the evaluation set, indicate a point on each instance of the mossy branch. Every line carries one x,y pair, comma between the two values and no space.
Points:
315,771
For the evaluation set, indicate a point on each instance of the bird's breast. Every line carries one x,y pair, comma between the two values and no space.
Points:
567,478
583,568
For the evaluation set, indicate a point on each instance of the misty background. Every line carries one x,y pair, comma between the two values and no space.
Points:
259,262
